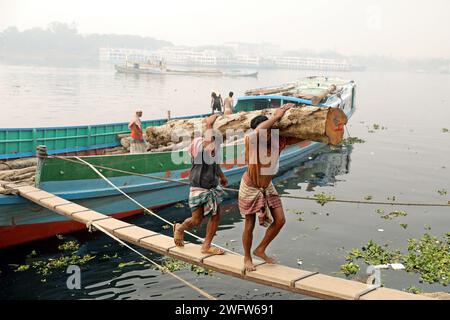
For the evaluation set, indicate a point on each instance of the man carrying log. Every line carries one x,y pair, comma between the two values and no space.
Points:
205,191
257,195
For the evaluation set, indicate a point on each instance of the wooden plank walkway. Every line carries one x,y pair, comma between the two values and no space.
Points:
291,279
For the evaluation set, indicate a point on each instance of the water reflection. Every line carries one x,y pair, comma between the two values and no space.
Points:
321,169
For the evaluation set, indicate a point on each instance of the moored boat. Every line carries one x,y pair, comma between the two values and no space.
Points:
160,68
22,221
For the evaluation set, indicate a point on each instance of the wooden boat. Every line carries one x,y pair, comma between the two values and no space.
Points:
161,69
22,221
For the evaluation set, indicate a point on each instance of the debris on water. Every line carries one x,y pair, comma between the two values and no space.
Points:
444,130
442,192
60,236
397,266
232,240
299,262
130,263
179,205
380,230
404,225
426,227
368,197
166,226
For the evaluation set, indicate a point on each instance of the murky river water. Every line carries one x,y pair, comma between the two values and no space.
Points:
409,158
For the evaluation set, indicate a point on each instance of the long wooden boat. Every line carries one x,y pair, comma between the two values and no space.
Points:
142,68
22,221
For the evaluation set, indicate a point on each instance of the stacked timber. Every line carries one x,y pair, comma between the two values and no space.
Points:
20,170
303,122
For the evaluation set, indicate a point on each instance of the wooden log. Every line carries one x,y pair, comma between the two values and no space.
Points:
8,174
125,142
123,135
18,164
23,177
303,122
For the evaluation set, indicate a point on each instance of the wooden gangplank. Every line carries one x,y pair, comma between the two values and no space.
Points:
291,279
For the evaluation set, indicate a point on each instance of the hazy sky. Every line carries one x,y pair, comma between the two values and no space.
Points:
410,29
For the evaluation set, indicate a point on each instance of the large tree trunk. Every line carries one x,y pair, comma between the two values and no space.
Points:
307,123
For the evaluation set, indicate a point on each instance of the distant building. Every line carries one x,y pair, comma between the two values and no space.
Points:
228,56
123,54
247,60
311,63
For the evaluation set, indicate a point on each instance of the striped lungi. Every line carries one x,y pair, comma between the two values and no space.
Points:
137,146
254,200
208,198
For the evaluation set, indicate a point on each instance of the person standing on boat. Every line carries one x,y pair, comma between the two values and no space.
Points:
229,103
257,195
205,191
137,143
216,102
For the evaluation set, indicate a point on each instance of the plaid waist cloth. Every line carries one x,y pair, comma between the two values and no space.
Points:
208,198
253,200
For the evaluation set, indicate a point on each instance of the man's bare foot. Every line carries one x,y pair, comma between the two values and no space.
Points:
212,250
262,255
248,264
178,236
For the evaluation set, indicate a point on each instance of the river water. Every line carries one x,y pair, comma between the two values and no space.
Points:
407,157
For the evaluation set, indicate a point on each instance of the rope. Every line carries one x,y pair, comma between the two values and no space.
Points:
282,196
163,269
143,207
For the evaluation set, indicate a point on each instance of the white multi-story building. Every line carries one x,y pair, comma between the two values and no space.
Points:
187,56
247,60
311,63
123,54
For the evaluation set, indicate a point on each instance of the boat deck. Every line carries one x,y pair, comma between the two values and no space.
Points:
291,279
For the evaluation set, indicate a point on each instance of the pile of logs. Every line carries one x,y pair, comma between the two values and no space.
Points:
20,170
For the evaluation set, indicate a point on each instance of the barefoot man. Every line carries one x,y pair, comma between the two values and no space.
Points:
257,195
205,191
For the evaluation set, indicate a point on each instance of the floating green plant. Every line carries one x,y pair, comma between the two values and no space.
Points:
349,268
368,197
412,289
166,226
23,267
442,192
444,130
45,267
404,225
69,246
427,256
391,215
351,140
322,198
200,270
